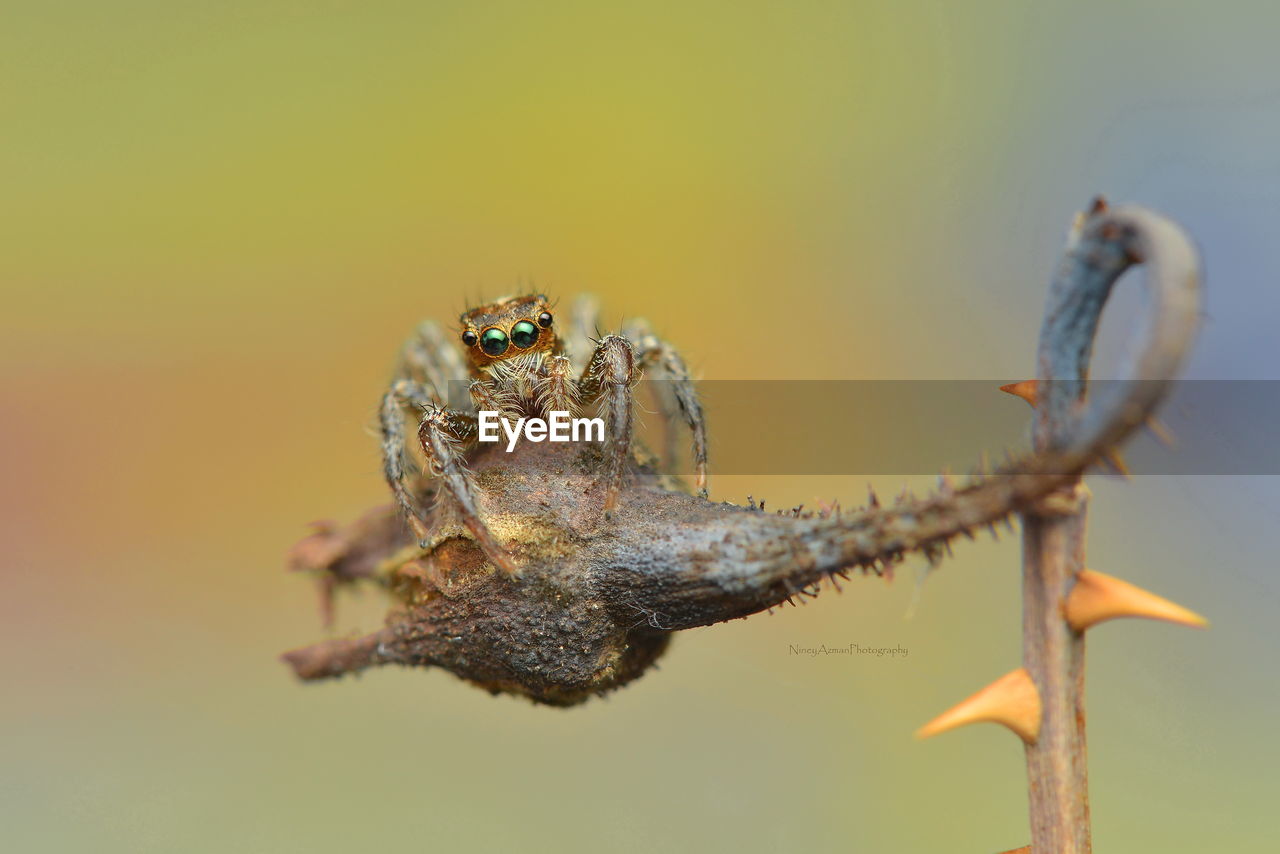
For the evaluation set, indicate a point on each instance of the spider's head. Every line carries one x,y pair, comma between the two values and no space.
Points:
510,327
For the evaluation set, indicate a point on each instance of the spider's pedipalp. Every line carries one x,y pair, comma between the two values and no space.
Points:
485,396
558,390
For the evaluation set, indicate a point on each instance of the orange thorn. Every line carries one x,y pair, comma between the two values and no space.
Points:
1097,597
1116,461
1161,432
1026,389
1012,700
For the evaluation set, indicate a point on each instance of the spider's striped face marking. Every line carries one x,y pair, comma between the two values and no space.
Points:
508,328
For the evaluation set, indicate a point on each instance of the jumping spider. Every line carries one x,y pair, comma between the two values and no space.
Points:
518,365
517,580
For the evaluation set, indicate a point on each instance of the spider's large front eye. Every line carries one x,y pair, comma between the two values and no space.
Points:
494,341
470,338
524,334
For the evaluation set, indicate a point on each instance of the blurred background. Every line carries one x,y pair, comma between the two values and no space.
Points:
218,222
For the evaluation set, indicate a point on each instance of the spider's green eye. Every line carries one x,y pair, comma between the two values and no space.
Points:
469,338
494,341
524,334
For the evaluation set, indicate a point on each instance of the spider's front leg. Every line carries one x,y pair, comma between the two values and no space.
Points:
427,365
445,435
676,388
403,394
608,379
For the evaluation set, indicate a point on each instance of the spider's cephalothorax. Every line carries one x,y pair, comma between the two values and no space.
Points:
519,364
514,330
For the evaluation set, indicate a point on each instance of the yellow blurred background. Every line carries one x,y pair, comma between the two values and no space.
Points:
218,221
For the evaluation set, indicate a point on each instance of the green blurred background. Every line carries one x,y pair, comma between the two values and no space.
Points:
218,221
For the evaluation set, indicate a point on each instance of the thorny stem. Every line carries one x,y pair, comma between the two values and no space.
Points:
1053,654
1101,248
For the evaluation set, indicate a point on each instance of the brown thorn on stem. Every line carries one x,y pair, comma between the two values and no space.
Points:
1011,701
1162,433
1116,461
1026,389
1097,597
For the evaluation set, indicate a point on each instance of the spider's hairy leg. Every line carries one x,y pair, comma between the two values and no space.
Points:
677,387
608,380
403,394
428,363
583,330
445,435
